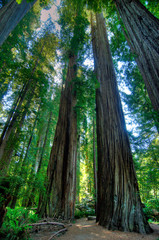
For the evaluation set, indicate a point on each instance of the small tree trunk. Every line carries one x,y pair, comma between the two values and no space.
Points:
10,116
10,136
94,164
60,193
10,16
118,205
78,171
32,194
11,139
143,33
21,172
16,191
44,143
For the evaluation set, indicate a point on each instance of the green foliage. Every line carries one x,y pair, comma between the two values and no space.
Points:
7,186
85,87
152,6
73,22
16,222
84,213
152,210
85,208
79,33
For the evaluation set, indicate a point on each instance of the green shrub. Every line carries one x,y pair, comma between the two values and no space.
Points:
85,208
151,210
15,223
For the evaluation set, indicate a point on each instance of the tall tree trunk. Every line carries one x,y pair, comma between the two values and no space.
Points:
118,205
143,38
60,194
10,16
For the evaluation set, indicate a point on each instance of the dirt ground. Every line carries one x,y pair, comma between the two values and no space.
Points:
83,229
89,230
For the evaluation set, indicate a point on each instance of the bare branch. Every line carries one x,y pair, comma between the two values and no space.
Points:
47,223
60,231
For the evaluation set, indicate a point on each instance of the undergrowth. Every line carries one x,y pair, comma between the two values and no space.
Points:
15,225
151,210
85,208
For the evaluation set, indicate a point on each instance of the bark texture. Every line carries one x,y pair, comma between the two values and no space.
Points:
61,172
118,204
10,16
143,37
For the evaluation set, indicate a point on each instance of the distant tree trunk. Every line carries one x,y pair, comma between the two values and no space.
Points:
11,139
5,194
16,192
12,116
10,16
118,205
44,143
16,118
60,193
21,172
33,190
78,171
94,163
143,37
12,126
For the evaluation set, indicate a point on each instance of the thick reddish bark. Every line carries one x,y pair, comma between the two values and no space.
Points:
10,16
118,203
143,37
60,199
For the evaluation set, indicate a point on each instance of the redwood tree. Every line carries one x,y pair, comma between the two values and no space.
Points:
118,201
61,168
143,38
61,171
10,16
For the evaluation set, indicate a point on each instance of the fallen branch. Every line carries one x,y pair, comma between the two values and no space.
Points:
47,223
60,231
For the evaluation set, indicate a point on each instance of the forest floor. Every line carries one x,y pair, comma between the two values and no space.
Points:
83,229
